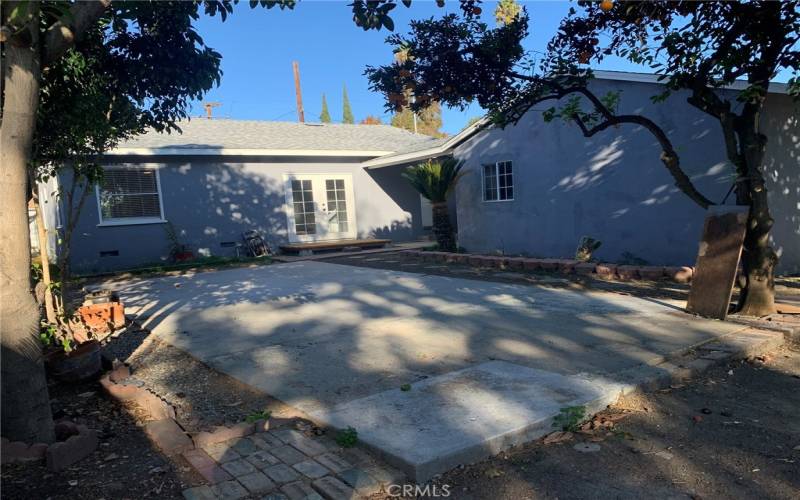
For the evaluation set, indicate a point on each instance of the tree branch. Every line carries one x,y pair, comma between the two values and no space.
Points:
64,34
668,154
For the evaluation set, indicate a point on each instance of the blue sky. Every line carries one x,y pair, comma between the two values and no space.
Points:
258,47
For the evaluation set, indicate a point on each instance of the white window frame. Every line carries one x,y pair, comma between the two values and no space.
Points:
132,221
496,166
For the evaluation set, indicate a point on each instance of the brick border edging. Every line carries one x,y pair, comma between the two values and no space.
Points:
57,456
607,271
171,438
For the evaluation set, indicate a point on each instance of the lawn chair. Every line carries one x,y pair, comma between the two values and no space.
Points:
255,244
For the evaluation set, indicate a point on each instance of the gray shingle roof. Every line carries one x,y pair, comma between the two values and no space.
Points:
246,134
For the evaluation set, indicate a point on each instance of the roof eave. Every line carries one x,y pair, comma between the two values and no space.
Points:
627,76
172,151
440,150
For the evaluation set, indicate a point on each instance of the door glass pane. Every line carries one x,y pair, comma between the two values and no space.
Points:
337,206
303,203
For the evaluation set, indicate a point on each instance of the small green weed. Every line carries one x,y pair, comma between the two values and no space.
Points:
405,387
570,418
258,415
47,334
347,438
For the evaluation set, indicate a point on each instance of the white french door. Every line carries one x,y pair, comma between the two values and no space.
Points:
320,207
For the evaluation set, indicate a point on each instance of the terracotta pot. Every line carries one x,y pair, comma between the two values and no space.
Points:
82,363
183,256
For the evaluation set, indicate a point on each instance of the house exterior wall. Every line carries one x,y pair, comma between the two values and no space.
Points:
213,200
613,186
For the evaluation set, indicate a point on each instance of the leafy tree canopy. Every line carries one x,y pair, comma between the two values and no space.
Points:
698,47
429,120
693,45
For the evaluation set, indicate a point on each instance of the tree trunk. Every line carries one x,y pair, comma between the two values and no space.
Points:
442,229
26,414
757,296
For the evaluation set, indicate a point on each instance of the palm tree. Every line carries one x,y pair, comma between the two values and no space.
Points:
435,180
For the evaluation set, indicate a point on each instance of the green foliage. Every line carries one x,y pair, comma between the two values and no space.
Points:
434,179
570,418
36,271
697,46
405,387
255,416
48,334
374,14
347,438
52,336
324,116
175,246
575,107
586,248
347,111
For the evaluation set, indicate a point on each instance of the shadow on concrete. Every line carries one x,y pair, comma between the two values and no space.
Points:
318,335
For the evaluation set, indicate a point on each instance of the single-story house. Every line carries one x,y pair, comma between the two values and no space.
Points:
533,188
536,188
291,182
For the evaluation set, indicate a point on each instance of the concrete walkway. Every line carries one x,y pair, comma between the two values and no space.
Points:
490,363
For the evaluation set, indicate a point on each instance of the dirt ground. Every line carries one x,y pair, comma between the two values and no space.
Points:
125,465
733,433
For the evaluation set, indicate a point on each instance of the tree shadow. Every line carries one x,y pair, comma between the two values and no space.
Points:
211,201
317,335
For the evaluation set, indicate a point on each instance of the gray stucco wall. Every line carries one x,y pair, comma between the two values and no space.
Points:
614,187
209,201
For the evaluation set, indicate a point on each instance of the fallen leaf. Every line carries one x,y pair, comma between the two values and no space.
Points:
493,472
557,437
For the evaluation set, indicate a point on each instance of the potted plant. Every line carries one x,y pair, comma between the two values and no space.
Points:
178,252
65,359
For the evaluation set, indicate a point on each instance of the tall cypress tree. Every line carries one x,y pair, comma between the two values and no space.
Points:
325,116
347,112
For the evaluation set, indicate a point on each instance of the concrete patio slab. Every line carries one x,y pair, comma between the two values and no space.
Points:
466,415
323,336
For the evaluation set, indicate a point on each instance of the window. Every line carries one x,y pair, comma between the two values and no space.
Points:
129,195
304,209
498,182
337,206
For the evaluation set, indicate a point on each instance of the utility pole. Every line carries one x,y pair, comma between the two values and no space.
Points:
300,116
209,107
414,113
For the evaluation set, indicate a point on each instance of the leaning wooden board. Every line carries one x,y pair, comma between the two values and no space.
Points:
717,261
